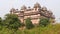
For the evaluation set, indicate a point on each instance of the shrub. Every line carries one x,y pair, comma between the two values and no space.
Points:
29,23
12,21
44,21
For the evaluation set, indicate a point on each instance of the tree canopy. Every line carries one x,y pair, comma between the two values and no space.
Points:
12,21
29,23
44,21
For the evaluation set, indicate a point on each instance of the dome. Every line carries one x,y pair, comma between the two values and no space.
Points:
29,7
12,10
44,8
23,7
50,12
37,5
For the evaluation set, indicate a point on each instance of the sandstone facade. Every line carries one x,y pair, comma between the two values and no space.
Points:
34,13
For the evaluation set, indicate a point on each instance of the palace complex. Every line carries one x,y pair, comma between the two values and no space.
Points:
34,13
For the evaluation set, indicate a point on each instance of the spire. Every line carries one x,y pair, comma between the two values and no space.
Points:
37,5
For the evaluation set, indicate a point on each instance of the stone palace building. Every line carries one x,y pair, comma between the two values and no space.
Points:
34,13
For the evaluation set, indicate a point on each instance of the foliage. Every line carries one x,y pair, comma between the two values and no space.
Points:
29,24
0,19
49,29
44,21
12,21
1,23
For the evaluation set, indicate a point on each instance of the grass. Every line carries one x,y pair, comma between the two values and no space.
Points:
50,29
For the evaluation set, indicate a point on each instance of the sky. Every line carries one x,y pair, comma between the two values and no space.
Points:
53,5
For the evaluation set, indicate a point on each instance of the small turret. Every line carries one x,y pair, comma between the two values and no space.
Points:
23,7
44,8
37,5
50,12
12,10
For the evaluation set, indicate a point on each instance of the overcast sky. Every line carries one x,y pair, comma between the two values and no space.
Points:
6,5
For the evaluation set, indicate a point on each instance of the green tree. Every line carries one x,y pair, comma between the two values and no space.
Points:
1,23
0,20
44,21
12,21
29,24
